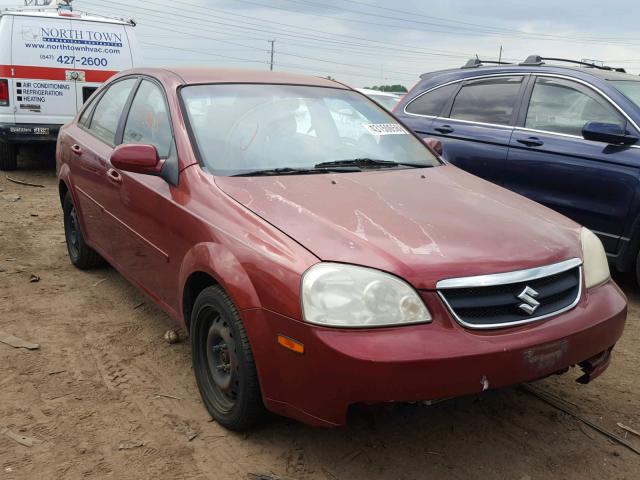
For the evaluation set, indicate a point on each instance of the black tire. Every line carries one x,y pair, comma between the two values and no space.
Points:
223,362
8,156
81,255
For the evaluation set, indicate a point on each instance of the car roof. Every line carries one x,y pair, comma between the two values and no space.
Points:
369,91
203,75
547,68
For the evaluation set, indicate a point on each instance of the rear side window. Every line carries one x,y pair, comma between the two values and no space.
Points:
491,100
109,110
432,103
148,120
86,114
564,106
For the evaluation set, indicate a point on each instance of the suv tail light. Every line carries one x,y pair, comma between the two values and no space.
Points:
4,92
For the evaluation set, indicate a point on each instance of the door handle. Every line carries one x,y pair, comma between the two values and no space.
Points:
444,129
114,176
531,141
75,148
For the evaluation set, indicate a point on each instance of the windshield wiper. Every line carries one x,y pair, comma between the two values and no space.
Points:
368,163
298,171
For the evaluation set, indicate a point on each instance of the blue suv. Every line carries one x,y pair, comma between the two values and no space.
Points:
565,136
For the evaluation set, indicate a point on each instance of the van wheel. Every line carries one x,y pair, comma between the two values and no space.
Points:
8,156
81,255
223,362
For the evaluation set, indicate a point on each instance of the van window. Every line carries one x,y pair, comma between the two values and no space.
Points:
490,100
564,106
148,121
433,102
109,110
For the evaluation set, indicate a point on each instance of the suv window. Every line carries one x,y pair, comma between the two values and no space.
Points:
490,100
148,120
564,106
432,103
109,110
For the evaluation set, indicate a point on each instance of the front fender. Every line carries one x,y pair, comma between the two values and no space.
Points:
220,263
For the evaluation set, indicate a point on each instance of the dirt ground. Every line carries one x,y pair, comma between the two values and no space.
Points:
89,395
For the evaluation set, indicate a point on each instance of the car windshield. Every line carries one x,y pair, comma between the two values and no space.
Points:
252,128
629,88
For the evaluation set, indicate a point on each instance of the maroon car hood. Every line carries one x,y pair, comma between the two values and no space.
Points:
421,224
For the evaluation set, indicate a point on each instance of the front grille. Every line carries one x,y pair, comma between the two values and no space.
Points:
498,305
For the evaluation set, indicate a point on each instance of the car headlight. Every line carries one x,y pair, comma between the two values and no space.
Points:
595,264
339,295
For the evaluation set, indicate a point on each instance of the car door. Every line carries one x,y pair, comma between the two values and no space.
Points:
142,243
550,162
91,142
476,127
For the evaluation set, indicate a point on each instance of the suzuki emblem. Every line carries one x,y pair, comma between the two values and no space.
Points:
530,304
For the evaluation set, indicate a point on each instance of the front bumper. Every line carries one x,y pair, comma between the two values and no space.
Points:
28,132
424,362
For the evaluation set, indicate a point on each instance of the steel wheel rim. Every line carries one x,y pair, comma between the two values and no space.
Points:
73,233
220,360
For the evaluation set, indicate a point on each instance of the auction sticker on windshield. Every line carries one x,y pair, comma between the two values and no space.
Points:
384,129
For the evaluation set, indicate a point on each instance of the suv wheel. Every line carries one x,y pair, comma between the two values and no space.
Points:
81,255
8,156
223,362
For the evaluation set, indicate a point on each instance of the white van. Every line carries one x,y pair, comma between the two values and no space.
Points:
51,61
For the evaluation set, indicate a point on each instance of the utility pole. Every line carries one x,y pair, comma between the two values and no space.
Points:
500,55
271,64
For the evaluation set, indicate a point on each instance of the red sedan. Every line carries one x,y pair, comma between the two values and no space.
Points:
318,253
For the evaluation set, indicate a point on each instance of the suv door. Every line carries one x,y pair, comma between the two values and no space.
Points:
550,162
91,142
476,127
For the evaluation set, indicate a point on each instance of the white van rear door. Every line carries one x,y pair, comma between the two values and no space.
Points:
44,90
6,103
101,51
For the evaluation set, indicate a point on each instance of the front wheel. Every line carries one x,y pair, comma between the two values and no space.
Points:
223,362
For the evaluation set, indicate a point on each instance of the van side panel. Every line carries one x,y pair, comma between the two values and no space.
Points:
104,51
6,23
44,91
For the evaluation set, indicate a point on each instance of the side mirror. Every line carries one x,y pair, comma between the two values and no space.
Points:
137,159
435,144
608,133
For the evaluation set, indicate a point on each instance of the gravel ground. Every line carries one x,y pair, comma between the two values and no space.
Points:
90,399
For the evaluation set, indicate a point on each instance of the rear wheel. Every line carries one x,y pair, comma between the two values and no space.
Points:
80,254
8,156
223,362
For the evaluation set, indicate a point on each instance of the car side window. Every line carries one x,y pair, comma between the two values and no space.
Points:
490,100
106,116
86,114
564,106
432,103
148,121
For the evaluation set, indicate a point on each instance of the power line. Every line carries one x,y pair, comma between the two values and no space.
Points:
411,75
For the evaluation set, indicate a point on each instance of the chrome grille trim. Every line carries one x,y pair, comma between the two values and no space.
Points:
506,279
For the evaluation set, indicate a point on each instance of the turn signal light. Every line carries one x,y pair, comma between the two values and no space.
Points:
4,92
291,344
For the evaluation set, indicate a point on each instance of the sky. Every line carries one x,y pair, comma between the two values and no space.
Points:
374,42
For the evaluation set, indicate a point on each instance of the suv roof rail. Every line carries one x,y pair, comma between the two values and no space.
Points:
476,62
537,60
